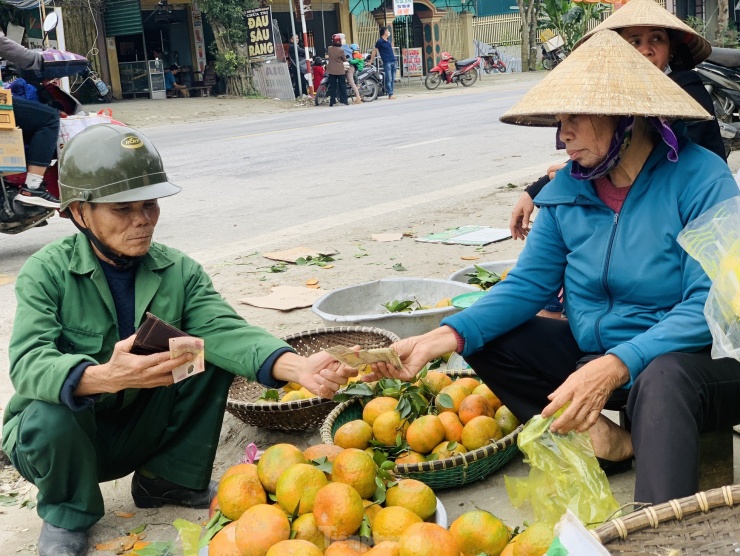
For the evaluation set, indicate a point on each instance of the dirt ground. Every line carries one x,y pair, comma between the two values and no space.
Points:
245,272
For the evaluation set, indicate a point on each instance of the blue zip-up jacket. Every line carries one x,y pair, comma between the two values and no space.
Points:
630,289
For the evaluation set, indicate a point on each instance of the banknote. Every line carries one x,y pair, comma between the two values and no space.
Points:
364,357
187,344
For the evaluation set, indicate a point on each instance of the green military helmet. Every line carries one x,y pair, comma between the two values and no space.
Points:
111,164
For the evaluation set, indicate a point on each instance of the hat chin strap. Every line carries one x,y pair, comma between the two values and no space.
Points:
119,261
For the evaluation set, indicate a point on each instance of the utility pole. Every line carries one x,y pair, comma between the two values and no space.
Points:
305,40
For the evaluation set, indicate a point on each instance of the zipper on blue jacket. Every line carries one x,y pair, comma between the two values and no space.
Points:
605,283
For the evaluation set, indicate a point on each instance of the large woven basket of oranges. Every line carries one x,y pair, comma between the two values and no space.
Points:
446,429
293,408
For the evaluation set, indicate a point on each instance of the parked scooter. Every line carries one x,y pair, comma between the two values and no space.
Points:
369,84
17,217
553,52
491,58
465,72
720,73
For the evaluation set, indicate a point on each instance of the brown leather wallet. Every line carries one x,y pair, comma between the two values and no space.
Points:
154,336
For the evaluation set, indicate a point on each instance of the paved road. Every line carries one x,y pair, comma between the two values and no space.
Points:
248,178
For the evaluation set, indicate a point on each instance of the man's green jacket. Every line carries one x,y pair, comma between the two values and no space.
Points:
66,316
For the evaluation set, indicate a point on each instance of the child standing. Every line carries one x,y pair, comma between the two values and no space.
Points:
317,71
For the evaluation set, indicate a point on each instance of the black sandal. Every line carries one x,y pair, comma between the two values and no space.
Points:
615,467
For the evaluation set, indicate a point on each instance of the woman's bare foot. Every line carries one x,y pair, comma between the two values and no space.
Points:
611,442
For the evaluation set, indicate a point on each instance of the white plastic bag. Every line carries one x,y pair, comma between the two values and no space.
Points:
72,125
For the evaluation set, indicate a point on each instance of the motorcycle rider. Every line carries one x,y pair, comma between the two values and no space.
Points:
86,409
40,126
671,46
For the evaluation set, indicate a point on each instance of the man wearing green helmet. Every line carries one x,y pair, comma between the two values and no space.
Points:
86,409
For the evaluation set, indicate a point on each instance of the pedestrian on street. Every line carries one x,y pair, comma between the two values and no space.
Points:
300,63
336,69
317,70
636,336
86,408
384,47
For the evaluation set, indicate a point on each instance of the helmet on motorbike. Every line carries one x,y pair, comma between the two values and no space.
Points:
111,164
336,39
354,47
446,56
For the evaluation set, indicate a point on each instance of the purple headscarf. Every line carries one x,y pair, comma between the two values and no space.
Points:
620,141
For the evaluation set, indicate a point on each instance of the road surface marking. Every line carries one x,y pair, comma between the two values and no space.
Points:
280,130
411,145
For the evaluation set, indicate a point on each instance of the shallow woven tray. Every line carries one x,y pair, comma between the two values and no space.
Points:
444,473
307,414
705,523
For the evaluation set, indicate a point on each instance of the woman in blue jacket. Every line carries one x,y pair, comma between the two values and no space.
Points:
636,335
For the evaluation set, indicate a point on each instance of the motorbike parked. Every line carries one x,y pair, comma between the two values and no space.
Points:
17,217
553,52
465,72
720,73
369,83
491,57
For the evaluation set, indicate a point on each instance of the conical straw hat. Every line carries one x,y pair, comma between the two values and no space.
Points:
648,13
605,77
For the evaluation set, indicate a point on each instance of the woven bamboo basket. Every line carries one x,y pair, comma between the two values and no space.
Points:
307,414
705,523
445,473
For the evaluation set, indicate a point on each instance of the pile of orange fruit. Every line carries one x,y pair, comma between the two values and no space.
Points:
466,415
286,505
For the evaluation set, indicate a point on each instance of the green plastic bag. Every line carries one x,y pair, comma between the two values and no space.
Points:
713,239
564,475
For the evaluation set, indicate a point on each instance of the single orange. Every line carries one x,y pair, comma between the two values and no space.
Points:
391,522
468,382
371,510
427,539
425,433
486,392
474,405
294,547
347,548
411,457
412,495
238,493
480,431
385,548
387,426
297,487
435,381
259,528
338,510
304,527
318,451
479,532
275,461
443,450
453,426
357,469
534,541
506,420
224,543
456,392
354,434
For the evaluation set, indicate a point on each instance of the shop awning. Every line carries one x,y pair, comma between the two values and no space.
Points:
26,4
122,17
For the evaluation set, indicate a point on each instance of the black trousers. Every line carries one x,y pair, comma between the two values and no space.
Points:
40,125
676,397
337,87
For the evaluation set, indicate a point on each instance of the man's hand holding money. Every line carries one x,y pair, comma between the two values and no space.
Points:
126,370
320,373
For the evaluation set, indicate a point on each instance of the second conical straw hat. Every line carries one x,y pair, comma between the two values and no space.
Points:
648,13
604,77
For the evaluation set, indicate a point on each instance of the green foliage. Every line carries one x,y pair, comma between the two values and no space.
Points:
727,36
484,278
697,24
569,19
229,14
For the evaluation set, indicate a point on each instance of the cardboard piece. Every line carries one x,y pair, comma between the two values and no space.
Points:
286,298
12,152
383,238
295,253
6,279
468,235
